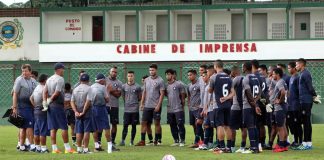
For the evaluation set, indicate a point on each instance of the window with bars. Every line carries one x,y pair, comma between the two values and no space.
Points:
149,32
319,29
199,30
116,33
220,32
278,30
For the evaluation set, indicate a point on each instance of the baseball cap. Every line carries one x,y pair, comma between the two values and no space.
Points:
59,65
100,77
84,77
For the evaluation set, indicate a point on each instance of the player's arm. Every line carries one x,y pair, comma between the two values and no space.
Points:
31,99
207,100
309,84
87,104
73,106
139,93
143,97
16,90
230,96
123,93
282,97
183,95
250,98
58,90
183,99
158,107
211,85
45,93
115,92
188,99
55,95
106,96
86,107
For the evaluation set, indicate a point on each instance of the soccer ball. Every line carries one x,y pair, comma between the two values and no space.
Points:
168,157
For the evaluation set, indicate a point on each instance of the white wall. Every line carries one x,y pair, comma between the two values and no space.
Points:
315,16
218,17
196,19
56,27
148,18
118,19
275,17
87,25
29,48
172,26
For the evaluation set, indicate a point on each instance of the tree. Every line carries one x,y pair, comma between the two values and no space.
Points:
17,5
2,5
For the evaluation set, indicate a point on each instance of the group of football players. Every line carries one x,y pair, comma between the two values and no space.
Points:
220,101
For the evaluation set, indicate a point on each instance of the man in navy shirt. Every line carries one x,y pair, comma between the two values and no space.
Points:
220,84
306,96
261,119
293,118
251,93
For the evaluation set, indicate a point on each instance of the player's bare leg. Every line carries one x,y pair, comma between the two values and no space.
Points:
109,143
73,135
79,138
22,137
86,139
97,144
283,146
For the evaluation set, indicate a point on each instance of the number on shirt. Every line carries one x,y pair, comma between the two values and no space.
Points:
225,91
255,91
263,87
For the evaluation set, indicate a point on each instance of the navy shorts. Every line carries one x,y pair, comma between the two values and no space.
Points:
280,118
56,118
149,115
40,126
222,116
176,118
262,119
28,114
131,118
199,114
269,117
193,116
210,119
249,117
100,118
236,120
114,115
70,116
84,125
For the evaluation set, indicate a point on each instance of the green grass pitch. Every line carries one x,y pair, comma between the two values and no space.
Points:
8,142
